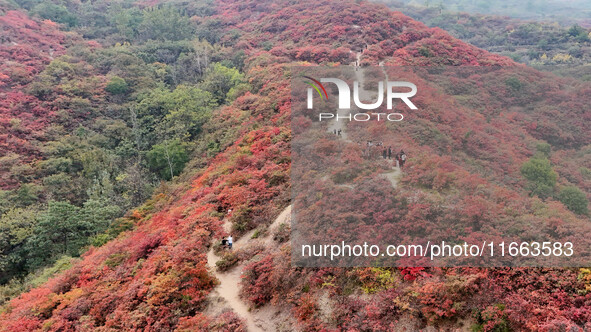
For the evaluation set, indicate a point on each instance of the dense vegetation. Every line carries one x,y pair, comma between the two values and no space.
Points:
542,44
90,131
124,95
466,181
540,10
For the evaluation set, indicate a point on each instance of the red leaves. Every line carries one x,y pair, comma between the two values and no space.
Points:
306,308
29,46
157,272
145,245
226,321
446,299
412,273
26,47
319,54
256,283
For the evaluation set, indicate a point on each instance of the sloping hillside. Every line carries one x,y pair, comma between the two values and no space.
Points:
26,47
155,276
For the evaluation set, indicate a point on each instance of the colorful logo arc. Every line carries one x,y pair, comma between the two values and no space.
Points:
316,88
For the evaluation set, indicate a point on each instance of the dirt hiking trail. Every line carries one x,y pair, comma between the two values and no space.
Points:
228,291
229,288
393,175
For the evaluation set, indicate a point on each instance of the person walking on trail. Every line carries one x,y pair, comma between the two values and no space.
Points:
389,152
230,241
384,153
402,158
335,131
339,132
397,158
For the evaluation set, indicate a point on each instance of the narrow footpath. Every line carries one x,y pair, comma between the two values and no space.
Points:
394,174
229,287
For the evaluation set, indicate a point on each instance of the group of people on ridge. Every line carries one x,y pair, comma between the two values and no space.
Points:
372,150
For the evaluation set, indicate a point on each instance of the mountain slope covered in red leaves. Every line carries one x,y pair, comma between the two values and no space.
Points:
465,166
26,47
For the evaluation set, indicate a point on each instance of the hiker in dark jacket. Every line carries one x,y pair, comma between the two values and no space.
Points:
389,152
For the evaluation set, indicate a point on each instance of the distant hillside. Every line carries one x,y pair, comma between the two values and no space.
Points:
566,12
546,44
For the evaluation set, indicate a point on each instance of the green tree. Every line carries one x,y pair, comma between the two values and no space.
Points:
544,149
60,230
224,83
59,186
5,201
574,199
188,109
168,158
540,175
579,33
27,194
177,114
56,13
16,226
209,29
117,86
514,84
127,21
165,24
101,208
191,66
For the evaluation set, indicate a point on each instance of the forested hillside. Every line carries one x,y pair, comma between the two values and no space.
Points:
91,127
561,46
135,130
563,11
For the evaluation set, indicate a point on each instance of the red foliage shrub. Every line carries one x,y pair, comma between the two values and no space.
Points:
256,282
